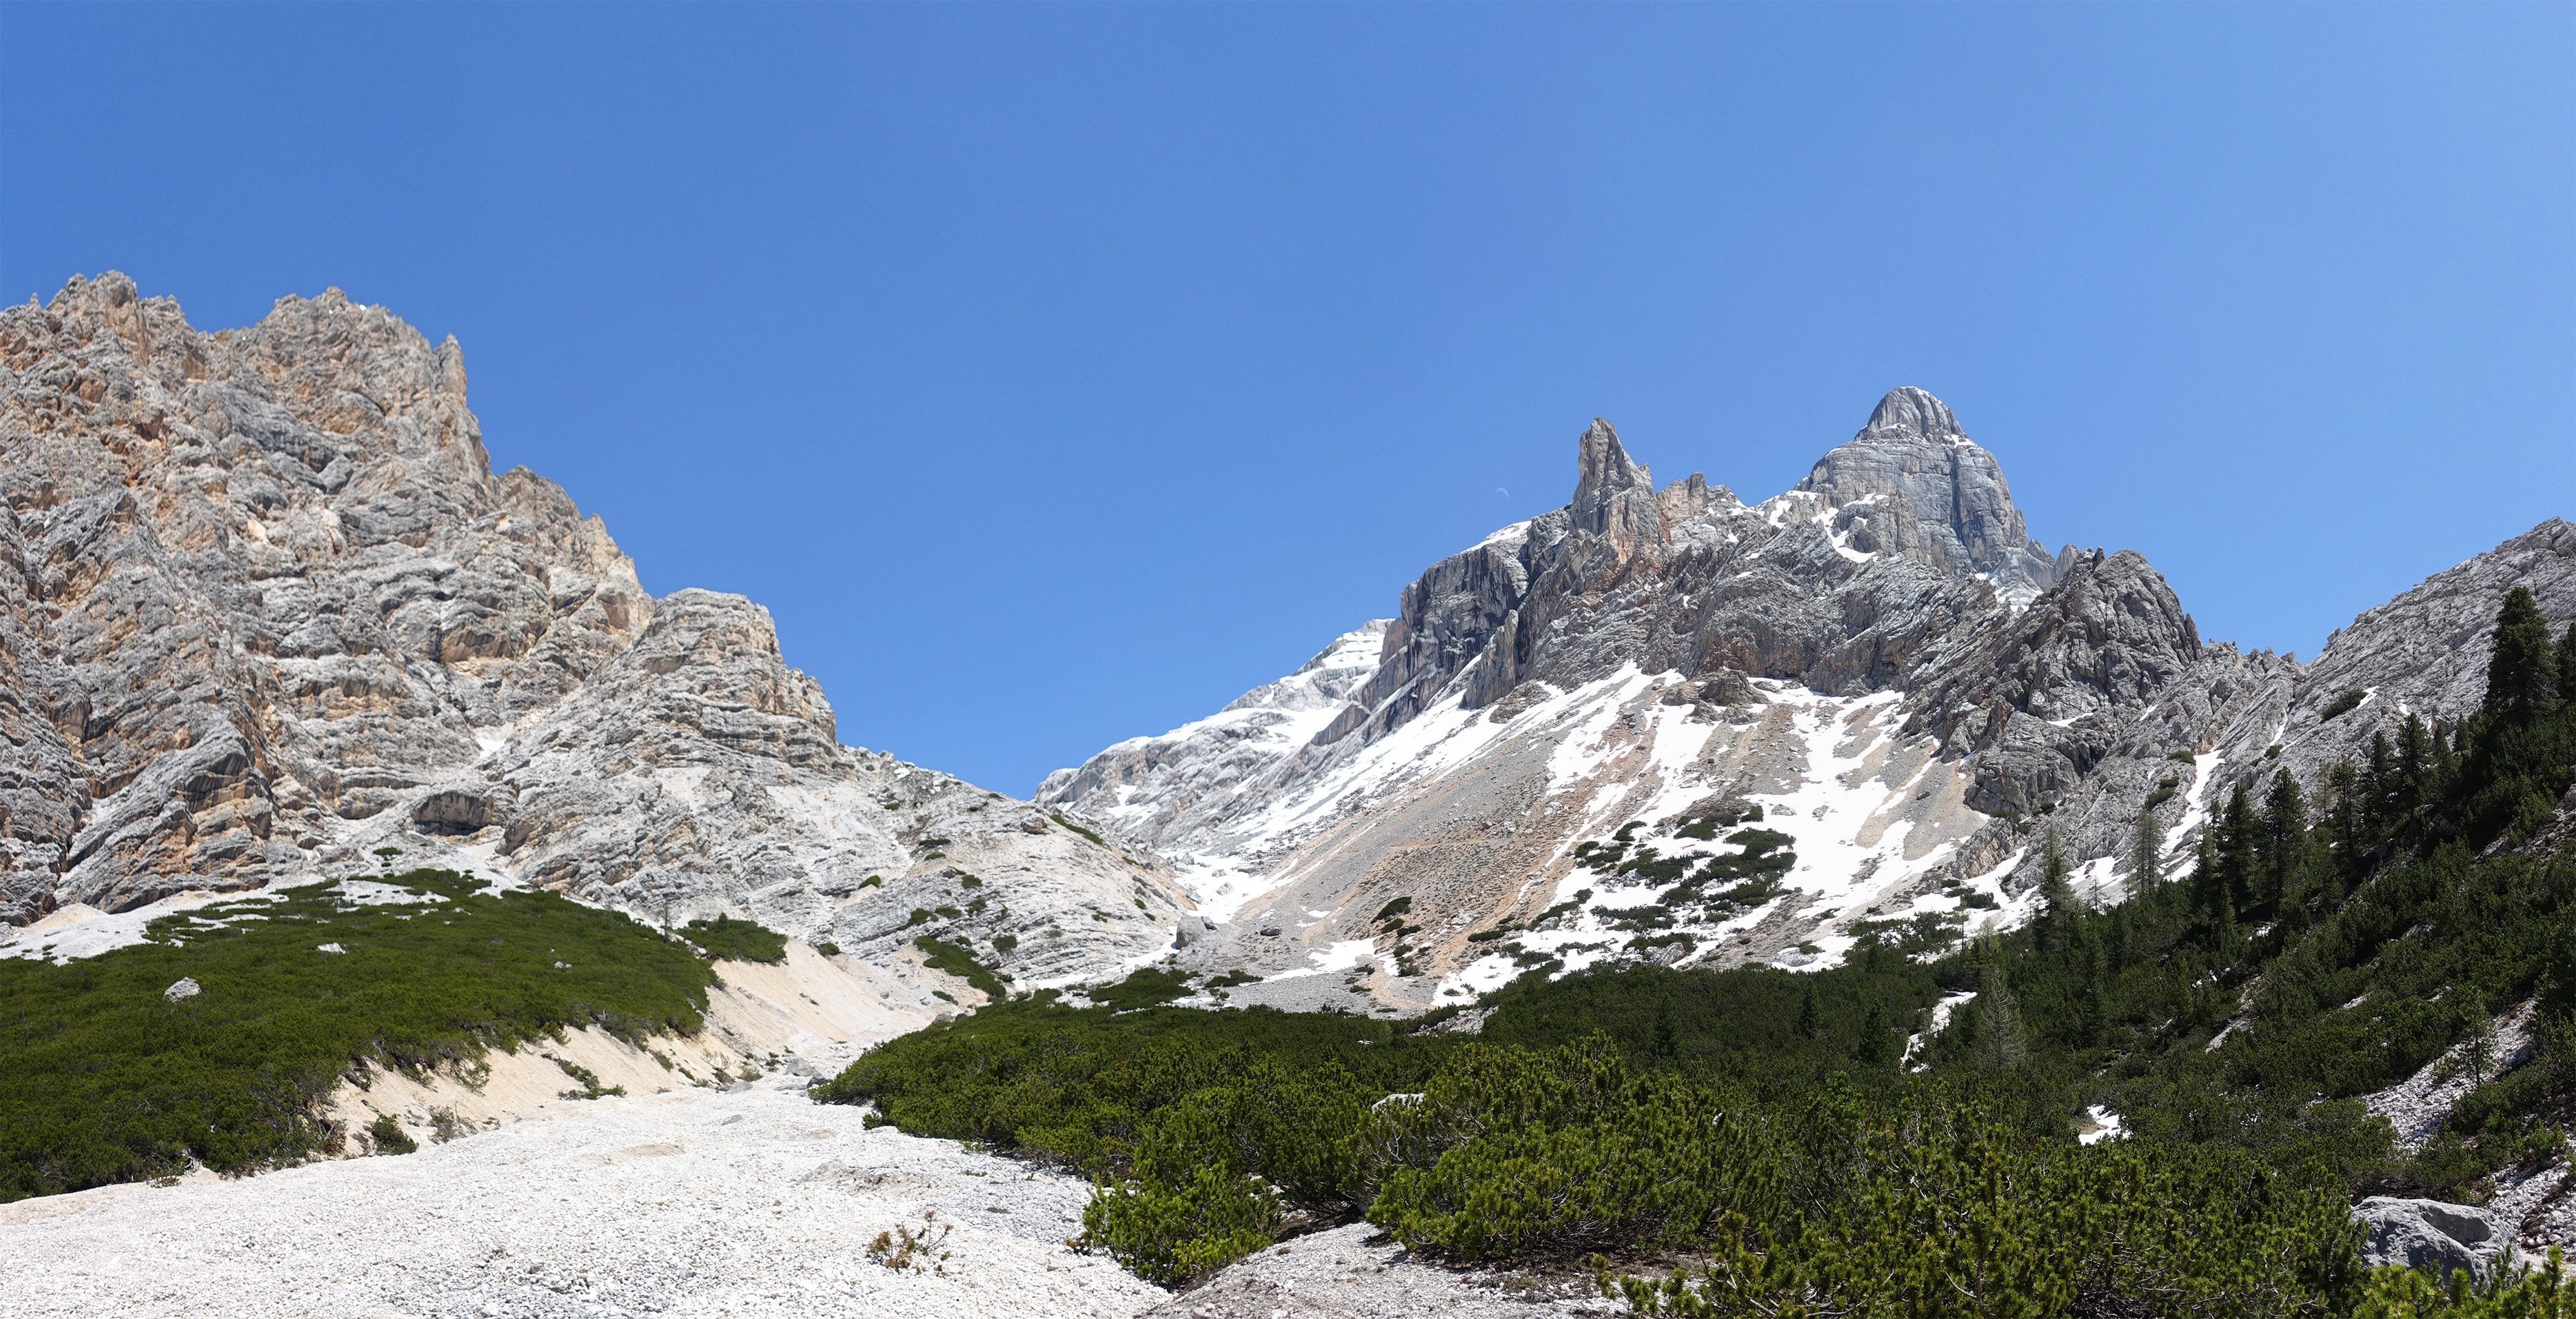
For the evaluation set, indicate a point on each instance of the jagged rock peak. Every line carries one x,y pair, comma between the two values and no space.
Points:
1915,414
1912,483
1614,496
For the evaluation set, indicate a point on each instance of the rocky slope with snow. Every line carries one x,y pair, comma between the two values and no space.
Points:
1554,753
266,612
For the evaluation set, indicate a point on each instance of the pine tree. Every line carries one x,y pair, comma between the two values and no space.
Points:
2208,886
2477,1040
2093,992
1877,1037
2380,807
2237,831
2146,856
2414,759
1811,1023
2119,952
2285,843
1999,1041
2567,667
2344,820
2056,896
2521,674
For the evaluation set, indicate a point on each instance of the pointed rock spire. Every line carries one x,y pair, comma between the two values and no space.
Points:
1613,495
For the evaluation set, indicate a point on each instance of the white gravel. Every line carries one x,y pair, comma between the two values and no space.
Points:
751,1203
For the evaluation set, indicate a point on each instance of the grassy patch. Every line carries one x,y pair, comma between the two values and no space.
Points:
103,1079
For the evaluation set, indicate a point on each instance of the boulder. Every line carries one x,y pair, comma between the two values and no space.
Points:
2431,1235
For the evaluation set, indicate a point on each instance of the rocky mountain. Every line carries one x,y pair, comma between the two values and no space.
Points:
266,614
1664,724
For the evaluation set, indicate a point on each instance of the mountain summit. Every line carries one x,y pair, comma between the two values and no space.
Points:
1564,730
1912,483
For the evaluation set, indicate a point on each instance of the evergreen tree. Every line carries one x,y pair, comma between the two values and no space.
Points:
2344,822
2119,951
2093,993
1811,1023
2056,896
1877,1037
2414,759
2237,832
2209,897
2000,1044
2567,667
2146,856
2285,843
2380,807
2521,674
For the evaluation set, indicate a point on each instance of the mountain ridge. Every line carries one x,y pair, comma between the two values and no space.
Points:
266,614
2033,695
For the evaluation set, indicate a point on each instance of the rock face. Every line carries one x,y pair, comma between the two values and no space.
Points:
1912,483
1881,659
2430,1235
2424,652
266,613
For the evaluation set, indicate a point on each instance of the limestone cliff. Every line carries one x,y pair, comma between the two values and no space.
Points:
267,614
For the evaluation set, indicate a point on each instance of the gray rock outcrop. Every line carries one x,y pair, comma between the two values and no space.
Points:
266,614
2431,1235
1911,483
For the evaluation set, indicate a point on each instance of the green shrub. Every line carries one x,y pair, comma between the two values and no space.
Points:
940,955
1172,1235
1510,1153
730,940
389,1137
589,1080
1143,988
1095,838
104,1080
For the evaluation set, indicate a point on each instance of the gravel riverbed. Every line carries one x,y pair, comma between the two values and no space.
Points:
751,1203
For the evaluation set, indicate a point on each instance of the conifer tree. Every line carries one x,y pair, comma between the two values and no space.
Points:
2521,674
2146,856
2285,842
2093,990
2237,831
2209,886
2414,758
2567,667
1810,1021
2000,1044
2344,816
1877,1037
2380,807
2056,896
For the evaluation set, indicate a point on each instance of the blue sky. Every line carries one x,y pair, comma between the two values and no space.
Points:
1056,373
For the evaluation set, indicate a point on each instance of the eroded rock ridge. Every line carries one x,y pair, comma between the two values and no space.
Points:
266,614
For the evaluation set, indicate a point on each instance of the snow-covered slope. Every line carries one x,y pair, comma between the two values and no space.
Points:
1914,695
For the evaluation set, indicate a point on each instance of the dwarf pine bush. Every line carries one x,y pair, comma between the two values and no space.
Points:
102,1079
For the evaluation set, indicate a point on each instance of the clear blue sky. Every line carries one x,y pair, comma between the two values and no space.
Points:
1055,373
